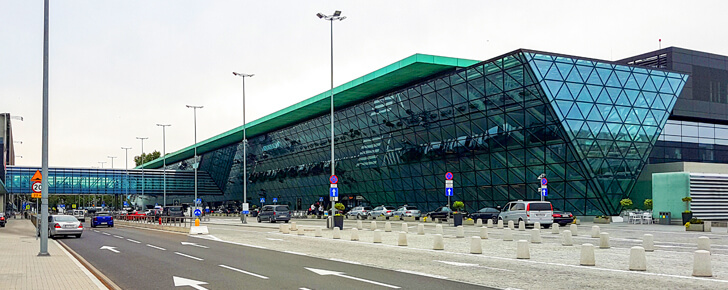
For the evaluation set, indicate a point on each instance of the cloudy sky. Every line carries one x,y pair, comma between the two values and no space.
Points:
117,68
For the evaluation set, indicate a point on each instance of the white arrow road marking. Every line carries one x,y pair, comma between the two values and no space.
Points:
115,236
179,281
470,265
96,231
155,247
421,274
113,249
244,272
188,256
323,272
133,241
193,244
106,234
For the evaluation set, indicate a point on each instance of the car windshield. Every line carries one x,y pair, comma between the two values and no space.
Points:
389,207
411,208
539,206
282,208
446,209
103,214
367,208
64,218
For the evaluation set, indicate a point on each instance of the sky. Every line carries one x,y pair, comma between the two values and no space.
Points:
118,68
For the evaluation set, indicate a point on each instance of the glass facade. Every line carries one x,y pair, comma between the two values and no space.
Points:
588,125
684,141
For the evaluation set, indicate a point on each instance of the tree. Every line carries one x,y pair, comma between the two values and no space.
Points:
146,157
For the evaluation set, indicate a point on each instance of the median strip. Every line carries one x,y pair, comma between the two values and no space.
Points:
188,256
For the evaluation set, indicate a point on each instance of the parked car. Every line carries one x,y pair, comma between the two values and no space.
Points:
64,225
359,211
381,211
174,211
156,213
102,218
563,217
3,219
407,211
79,214
274,213
529,212
440,213
486,213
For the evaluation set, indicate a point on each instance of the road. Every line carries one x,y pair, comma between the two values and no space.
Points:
146,259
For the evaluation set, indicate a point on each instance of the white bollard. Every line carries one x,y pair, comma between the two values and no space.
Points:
484,233
507,234
359,225
479,223
402,240
648,243
373,226
701,264
587,255
521,225
555,228
574,230
489,223
354,234
537,225
280,228
438,243
337,233
637,260
704,243
567,240
286,229
404,228
301,231
595,232
500,224
293,226
522,250
319,233
536,236
604,240
377,236
438,229
459,232
420,229
387,227
475,246
511,226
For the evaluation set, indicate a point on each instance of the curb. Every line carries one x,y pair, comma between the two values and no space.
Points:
102,278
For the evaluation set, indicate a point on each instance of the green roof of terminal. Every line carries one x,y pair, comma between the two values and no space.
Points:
410,70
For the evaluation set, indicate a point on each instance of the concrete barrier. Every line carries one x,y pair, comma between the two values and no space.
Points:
604,240
337,233
484,233
595,232
475,246
648,243
536,236
354,234
701,264
420,229
438,229
459,232
511,225
566,238
704,243
199,230
574,230
280,227
507,234
500,224
293,226
479,223
521,226
522,251
707,226
373,226
387,227
555,228
359,225
587,255
377,236
537,225
489,223
405,228
438,243
637,260
286,229
402,239
319,233
301,231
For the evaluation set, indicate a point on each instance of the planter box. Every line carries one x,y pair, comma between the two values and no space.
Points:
468,222
601,221
695,228
409,219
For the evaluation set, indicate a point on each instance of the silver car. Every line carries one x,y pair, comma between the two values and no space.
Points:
407,211
359,211
529,212
381,210
62,225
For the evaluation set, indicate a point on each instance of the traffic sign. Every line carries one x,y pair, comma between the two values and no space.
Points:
448,191
36,187
125,203
262,199
449,176
62,205
198,201
448,184
544,181
198,212
275,199
334,192
37,176
321,199
333,179
544,191
73,206
246,209
207,209
27,207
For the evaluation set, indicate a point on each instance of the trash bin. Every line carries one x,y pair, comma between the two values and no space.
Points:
664,218
457,219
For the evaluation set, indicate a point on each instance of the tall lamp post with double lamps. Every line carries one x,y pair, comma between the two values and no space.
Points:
164,160
197,163
142,163
126,168
245,154
331,18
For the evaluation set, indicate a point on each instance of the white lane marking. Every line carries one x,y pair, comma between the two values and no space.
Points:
193,244
470,265
244,272
133,241
188,256
344,261
422,274
155,247
272,239
106,234
295,253
179,281
208,237
115,236
95,231
303,289
113,249
323,272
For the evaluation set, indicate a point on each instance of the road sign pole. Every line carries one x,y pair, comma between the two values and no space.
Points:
44,184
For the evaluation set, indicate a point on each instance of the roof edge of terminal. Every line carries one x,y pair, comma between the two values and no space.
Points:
414,68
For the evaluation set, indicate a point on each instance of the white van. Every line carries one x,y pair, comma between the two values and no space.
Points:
78,214
529,212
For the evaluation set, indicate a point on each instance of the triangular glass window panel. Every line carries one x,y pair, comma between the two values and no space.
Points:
667,100
565,94
659,115
595,116
632,95
585,107
622,111
632,118
641,102
594,79
614,129
613,81
553,87
585,96
613,93
674,84
604,133
564,106
574,76
604,98
650,132
623,99
640,78
604,74
622,76
574,113
574,125
584,71
649,119
649,86
624,134
657,104
632,83
657,80
666,89
594,127
554,74
642,114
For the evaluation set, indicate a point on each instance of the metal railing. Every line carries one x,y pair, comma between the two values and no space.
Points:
161,220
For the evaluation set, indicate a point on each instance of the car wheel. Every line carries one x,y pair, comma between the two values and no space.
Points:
50,236
546,226
286,221
258,219
78,236
272,221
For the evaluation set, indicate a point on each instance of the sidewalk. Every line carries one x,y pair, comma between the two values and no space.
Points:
24,269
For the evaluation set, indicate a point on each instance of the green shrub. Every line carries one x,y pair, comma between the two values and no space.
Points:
648,204
458,205
339,206
687,201
696,221
626,203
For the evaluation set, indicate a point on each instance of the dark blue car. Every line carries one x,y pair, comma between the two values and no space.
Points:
102,218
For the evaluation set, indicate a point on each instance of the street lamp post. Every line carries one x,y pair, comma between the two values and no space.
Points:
142,163
245,154
331,18
44,141
126,167
197,163
102,164
164,160
112,161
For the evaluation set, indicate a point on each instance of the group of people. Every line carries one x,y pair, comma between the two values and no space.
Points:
316,209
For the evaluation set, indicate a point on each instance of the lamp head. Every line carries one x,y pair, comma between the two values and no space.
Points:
320,15
337,13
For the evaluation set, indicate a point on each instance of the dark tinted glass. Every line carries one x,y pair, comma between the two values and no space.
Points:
539,206
282,208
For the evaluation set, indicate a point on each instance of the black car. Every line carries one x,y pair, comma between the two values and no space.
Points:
443,212
486,213
563,218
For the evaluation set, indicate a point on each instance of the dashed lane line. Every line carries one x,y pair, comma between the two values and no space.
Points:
188,256
155,247
244,272
134,241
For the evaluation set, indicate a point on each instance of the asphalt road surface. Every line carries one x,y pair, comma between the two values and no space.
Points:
145,259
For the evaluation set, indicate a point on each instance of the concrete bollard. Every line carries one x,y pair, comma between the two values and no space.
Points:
404,228
377,236
701,264
511,226
604,240
574,230
354,234
373,226
337,233
704,243
280,228
387,227
489,223
286,229
648,243
536,236
420,229
484,233
522,250
555,228
567,240
293,226
521,225
507,234
595,232
301,232
475,246
319,232
402,240
438,229
637,260
587,255
537,225
459,232
359,225
438,243
500,224
479,223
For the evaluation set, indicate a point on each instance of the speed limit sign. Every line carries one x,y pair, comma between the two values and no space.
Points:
36,187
